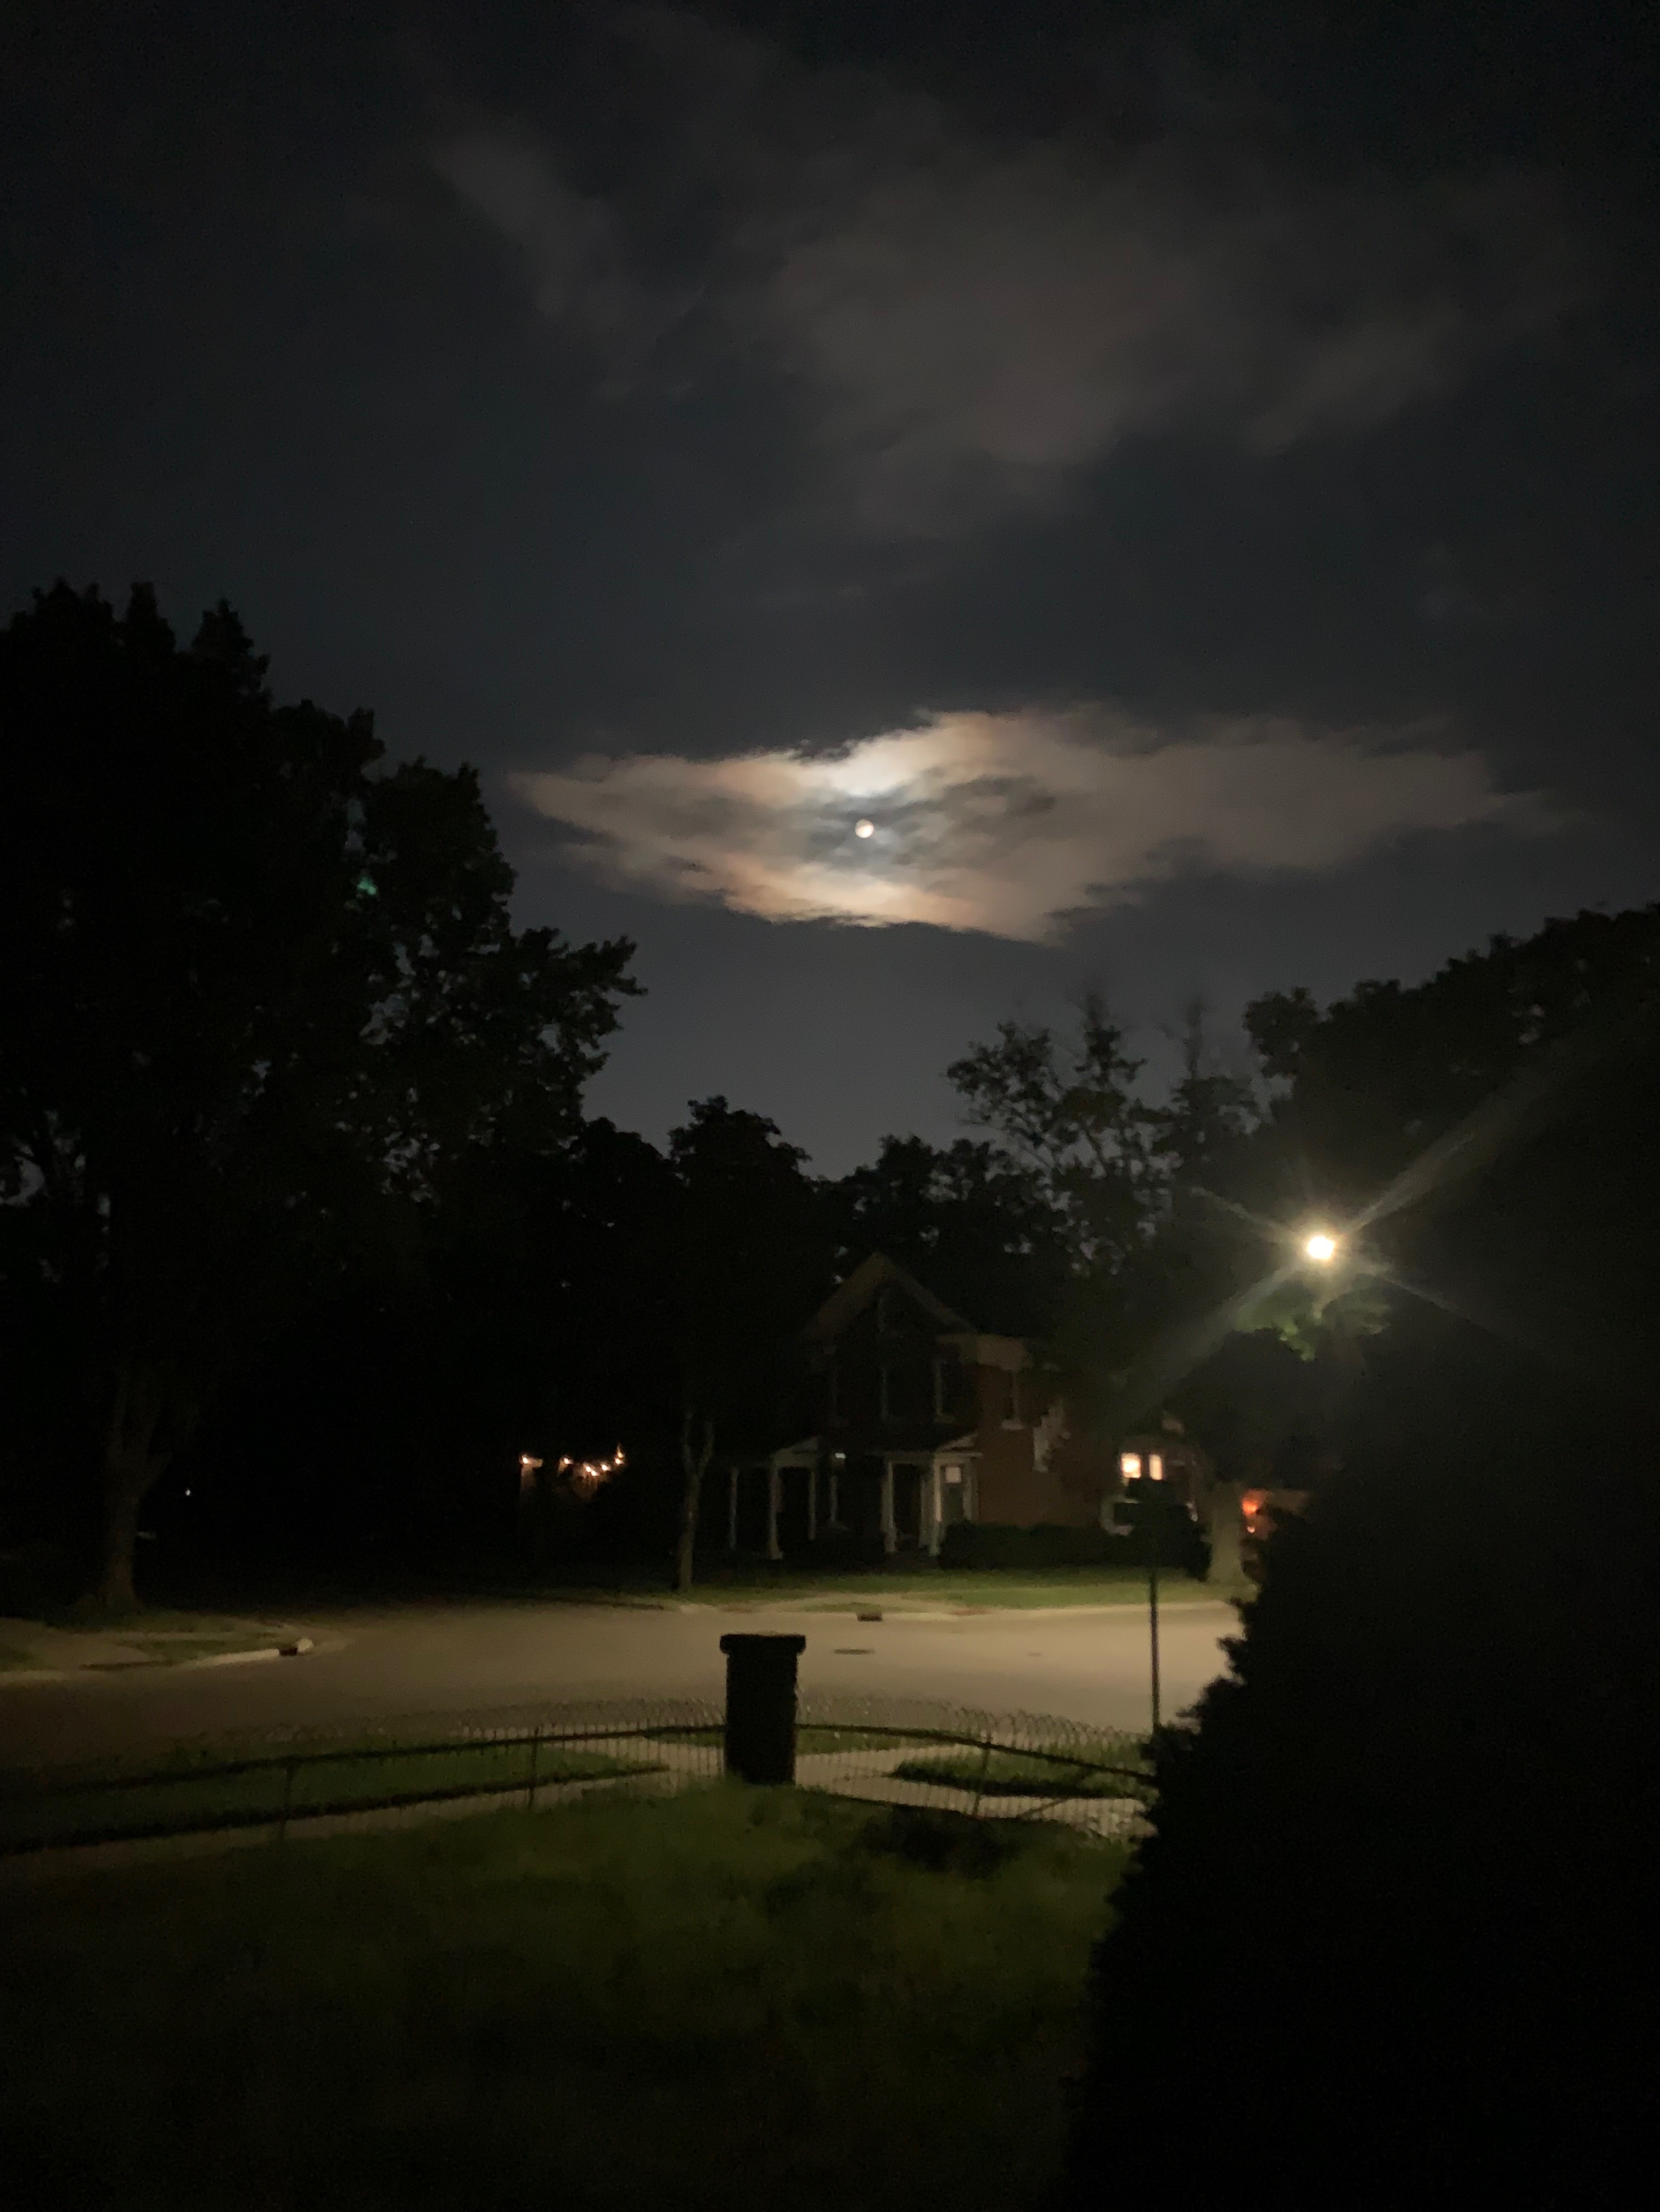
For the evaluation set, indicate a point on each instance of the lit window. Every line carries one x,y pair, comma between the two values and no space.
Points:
953,1474
1156,1466
1129,1466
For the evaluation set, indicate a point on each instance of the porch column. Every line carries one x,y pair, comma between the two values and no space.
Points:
812,1503
936,1508
890,1539
732,1507
835,1498
773,1552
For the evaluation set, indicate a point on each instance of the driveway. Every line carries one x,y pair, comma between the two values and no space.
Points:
1089,1666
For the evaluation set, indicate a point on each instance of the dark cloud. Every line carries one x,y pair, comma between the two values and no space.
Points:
963,326
579,382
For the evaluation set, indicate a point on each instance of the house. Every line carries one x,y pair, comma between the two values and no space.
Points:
1167,1455
923,1420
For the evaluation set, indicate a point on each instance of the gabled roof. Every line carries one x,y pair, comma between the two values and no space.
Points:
850,1299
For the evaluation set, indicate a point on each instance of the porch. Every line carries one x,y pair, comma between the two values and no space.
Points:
780,1506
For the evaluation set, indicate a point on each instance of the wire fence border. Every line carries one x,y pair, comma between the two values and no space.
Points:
688,1731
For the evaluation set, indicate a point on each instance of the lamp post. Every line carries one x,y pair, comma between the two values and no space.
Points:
1153,1599
529,1515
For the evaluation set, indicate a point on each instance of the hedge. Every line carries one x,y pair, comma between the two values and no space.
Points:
1001,1545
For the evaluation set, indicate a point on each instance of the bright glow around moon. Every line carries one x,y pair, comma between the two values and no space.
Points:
1014,823
1321,1247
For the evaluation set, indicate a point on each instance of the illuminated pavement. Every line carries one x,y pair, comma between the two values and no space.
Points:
1089,1666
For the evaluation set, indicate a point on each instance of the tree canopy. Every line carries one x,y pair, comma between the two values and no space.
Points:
1405,1848
264,1002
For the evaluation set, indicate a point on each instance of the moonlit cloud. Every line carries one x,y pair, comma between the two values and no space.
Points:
1010,823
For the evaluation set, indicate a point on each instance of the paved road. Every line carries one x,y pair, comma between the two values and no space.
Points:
1087,1667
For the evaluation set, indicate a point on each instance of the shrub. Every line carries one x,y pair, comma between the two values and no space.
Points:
997,1545
1405,1850
842,1550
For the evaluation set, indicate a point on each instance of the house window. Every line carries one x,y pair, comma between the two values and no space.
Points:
1129,1466
1156,1467
956,1496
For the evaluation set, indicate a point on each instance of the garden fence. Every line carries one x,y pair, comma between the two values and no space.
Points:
315,1781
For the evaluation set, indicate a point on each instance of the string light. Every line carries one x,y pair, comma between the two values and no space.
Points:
584,1476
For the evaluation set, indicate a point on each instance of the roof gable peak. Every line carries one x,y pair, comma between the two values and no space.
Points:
850,1298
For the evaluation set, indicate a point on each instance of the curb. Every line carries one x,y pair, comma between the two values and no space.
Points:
297,1649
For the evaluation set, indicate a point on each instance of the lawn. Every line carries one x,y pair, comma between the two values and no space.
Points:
900,1589
174,1646
176,1795
738,1998
63,1638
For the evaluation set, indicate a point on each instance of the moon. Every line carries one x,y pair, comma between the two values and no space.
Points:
864,827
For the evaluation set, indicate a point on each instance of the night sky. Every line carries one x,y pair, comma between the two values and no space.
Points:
1185,477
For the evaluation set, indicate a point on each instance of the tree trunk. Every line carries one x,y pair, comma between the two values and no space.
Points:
695,1462
1224,1528
127,1482
132,1465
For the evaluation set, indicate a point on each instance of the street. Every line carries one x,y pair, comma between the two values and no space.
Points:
1089,1666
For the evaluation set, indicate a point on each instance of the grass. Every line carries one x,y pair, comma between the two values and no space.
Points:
733,1998
165,1622
153,1637
897,1588
814,1737
171,1649
177,1796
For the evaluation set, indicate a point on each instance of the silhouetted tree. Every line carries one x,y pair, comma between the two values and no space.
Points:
752,1260
1406,1847
262,1006
974,1224
1070,1112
